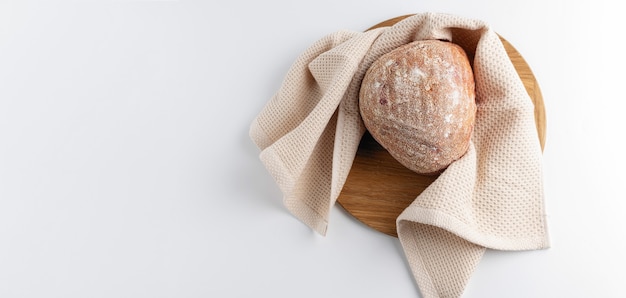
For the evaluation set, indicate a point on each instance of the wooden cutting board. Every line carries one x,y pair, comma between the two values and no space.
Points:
378,188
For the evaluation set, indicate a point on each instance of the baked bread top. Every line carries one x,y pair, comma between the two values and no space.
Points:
418,102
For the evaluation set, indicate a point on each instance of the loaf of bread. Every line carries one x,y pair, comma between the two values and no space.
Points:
418,102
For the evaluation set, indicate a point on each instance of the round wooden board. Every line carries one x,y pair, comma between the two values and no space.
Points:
378,188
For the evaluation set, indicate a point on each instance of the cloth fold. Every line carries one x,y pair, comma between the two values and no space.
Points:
492,197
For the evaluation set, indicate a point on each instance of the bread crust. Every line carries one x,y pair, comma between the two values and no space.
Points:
418,102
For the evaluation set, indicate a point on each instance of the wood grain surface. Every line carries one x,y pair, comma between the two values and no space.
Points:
378,188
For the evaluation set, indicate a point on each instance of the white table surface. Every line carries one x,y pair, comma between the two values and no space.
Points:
126,169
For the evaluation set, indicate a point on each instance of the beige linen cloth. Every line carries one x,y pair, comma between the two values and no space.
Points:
492,197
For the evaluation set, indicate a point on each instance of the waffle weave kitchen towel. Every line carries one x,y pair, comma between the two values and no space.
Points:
492,197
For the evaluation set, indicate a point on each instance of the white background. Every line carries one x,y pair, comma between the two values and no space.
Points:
126,169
